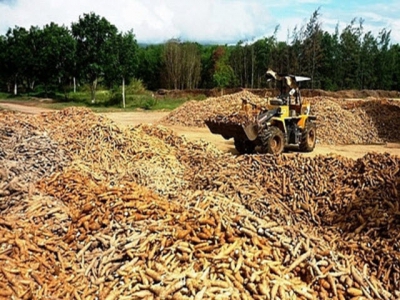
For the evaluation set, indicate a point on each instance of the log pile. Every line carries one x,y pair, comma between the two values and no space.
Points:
338,121
193,113
337,125
353,202
233,119
130,242
248,227
26,155
115,153
385,115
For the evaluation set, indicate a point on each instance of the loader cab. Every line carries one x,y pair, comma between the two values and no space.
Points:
289,98
294,113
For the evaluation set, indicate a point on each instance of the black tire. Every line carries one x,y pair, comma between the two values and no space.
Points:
273,141
244,146
308,137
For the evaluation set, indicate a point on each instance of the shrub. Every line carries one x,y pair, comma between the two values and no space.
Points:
115,99
149,103
136,86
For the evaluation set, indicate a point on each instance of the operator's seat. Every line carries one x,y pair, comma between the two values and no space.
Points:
295,109
276,102
280,100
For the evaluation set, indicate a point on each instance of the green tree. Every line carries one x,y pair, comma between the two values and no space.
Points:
207,66
236,61
369,51
124,50
128,59
182,64
191,65
93,52
33,63
296,51
4,80
350,47
242,59
171,60
263,53
280,58
312,51
395,53
150,65
384,61
17,56
223,72
330,61
52,54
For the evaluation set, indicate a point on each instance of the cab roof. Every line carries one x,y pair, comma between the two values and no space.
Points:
295,77
300,78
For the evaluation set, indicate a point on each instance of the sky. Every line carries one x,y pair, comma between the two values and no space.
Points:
206,21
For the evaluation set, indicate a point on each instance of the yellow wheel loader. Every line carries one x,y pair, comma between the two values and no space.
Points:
284,122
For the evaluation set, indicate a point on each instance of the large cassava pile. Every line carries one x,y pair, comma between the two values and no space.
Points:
338,121
193,113
141,213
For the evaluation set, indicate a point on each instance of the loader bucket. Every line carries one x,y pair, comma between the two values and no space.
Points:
233,130
251,131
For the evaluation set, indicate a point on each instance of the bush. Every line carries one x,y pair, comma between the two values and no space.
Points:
115,99
135,87
149,103
78,97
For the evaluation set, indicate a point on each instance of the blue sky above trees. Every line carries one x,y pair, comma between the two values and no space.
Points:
214,21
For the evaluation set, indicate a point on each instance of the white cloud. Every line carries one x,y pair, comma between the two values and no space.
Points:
220,21
395,34
151,21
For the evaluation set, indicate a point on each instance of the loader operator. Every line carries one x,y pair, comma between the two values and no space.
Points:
288,94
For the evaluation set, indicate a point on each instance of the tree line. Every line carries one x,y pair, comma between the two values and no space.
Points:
94,51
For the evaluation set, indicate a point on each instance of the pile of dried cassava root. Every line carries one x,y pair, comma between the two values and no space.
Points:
140,213
339,121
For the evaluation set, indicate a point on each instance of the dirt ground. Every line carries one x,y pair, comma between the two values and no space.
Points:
135,118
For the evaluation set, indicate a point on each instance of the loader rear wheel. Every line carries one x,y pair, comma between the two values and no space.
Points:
308,137
273,141
244,146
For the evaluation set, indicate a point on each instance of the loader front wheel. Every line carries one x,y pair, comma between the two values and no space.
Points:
273,141
308,137
244,146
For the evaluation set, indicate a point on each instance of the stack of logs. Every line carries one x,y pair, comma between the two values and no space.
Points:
233,119
26,155
355,203
193,113
248,227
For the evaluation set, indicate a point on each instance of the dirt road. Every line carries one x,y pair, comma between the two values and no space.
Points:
29,109
135,118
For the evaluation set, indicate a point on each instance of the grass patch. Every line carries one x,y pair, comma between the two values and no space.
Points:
4,95
106,101
12,98
168,104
